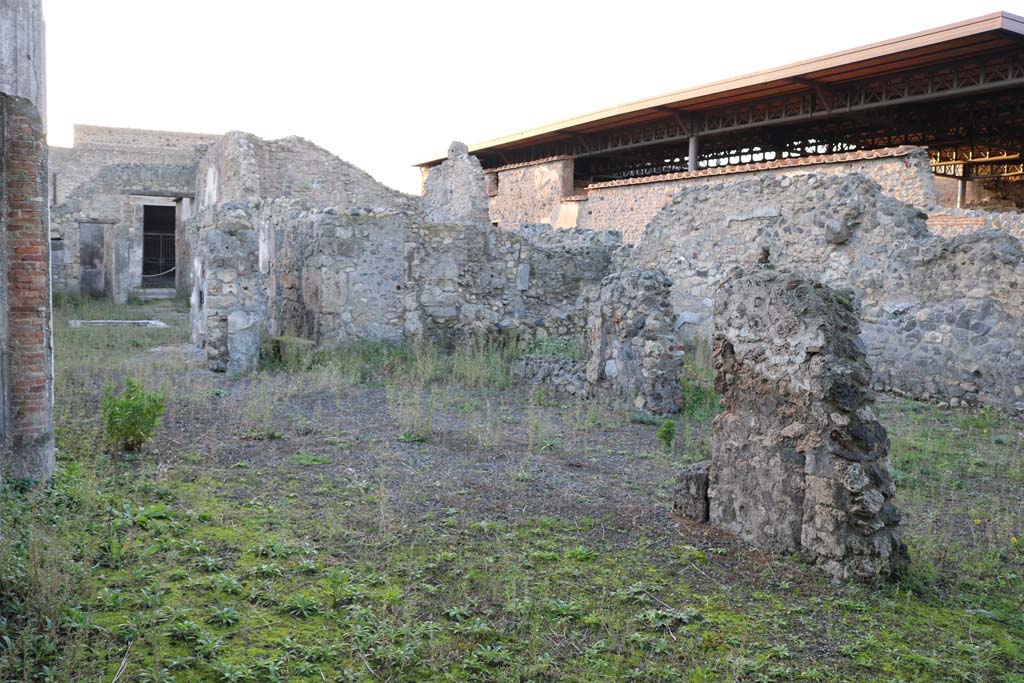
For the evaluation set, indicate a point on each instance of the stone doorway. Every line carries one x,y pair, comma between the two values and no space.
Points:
158,247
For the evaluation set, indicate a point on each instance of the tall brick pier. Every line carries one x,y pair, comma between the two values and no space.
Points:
26,353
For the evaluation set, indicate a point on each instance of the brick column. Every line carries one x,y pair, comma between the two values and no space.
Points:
28,394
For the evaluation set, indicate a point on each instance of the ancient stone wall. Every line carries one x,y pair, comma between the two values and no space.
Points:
26,352
141,139
228,300
336,273
628,205
97,188
96,147
941,318
634,356
476,279
242,167
319,249
953,222
109,199
332,274
799,461
531,193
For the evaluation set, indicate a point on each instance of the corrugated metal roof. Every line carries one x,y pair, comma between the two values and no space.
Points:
934,46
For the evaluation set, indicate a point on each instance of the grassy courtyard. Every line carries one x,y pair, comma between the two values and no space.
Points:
386,513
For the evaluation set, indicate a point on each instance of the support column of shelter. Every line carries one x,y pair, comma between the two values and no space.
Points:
691,162
961,187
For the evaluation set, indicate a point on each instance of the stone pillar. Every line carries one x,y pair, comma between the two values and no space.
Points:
23,52
961,190
228,302
799,461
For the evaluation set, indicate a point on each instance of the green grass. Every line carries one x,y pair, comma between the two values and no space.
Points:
194,563
697,384
309,459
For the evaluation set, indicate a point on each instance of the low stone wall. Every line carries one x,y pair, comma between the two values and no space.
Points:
475,279
331,275
941,318
628,205
953,222
799,462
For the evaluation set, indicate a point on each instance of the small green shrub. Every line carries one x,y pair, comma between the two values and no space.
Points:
667,433
132,416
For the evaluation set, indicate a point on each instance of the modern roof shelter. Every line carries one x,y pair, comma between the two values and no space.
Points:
956,89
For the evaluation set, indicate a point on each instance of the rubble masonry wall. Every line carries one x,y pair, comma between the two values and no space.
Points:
941,317
531,193
628,205
243,167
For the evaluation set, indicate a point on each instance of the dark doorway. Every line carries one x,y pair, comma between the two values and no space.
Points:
158,246
90,255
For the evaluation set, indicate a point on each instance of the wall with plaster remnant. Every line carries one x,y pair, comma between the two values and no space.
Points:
395,271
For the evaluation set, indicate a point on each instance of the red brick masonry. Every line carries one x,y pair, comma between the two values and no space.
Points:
29,439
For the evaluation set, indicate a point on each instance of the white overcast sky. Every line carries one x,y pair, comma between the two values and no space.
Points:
385,85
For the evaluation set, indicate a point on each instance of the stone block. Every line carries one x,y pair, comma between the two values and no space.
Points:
690,497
